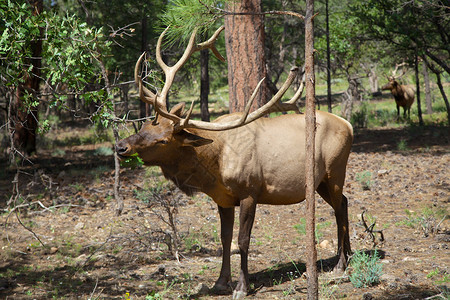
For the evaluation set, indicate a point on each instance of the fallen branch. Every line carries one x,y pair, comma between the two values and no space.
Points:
370,230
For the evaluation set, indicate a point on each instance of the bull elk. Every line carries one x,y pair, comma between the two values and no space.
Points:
403,94
241,159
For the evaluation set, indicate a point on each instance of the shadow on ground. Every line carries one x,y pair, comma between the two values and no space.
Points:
415,138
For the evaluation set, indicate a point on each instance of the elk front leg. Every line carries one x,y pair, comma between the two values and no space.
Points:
246,218
222,284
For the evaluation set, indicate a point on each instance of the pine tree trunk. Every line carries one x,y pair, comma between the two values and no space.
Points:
328,58
444,96
244,41
144,109
419,108
426,79
310,119
204,84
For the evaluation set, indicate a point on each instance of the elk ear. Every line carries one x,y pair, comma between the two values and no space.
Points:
192,140
178,109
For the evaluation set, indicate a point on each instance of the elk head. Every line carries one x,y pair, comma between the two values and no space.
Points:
392,80
157,139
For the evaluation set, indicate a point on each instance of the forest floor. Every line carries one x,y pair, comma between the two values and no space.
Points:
399,177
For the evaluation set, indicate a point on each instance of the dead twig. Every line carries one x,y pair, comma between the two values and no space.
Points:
370,230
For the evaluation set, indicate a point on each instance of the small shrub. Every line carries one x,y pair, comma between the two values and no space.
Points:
365,179
402,145
301,228
133,161
58,152
360,117
103,151
428,221
366,269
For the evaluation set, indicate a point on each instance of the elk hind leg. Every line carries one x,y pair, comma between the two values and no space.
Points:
222,285
332,193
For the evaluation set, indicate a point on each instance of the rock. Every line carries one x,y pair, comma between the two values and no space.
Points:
367,296
79,226
407,258
201,289
387,278
162,269
325,244
392,286
81,259
382,172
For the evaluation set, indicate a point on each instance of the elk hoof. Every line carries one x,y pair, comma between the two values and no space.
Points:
340,267
221,289
239,294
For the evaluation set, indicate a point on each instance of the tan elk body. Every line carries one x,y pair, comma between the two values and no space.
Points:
243,160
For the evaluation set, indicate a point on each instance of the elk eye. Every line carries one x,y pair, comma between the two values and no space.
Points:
163,142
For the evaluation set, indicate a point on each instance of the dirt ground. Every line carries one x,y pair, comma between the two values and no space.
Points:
400,178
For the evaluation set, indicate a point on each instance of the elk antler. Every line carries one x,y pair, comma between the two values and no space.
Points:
158,100
394,72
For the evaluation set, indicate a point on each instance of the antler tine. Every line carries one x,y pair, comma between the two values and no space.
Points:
250,102
171,71
211,44
145,94
277,97
298,93
394,72
149,97
246,119
159,100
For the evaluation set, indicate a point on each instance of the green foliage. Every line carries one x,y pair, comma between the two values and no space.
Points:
133,161
104,151
402,145
396,22
365,179
366,269
301,228
360,116
183,16
428,220
72,53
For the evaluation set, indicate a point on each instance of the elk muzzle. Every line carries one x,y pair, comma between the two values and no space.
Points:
123,149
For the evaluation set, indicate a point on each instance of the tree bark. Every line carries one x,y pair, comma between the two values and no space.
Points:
419,108
426,79
204,84
373,80
310,117
328,58
444,96
24,120
244,41
125,89
436,71
144,108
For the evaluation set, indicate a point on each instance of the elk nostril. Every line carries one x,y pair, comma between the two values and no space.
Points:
121,149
